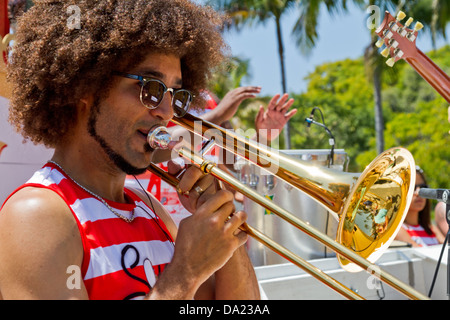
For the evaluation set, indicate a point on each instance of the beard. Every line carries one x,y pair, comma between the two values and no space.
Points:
114,156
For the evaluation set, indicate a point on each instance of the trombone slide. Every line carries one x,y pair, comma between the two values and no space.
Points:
391,168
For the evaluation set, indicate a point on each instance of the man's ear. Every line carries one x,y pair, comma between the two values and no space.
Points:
85,104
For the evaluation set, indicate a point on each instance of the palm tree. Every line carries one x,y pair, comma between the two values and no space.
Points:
245,13
440,18
375,65
230,77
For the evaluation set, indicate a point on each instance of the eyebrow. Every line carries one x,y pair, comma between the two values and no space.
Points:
154,74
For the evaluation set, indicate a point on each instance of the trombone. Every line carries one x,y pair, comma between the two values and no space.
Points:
370,206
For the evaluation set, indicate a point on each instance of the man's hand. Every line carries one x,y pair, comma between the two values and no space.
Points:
206,241
270,122
194,186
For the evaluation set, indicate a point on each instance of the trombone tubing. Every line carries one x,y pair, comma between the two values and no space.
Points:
294,171
208,167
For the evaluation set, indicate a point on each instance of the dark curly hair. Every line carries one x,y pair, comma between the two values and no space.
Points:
54,65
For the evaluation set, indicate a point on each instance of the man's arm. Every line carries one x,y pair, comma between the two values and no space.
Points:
205,243
40,248
210,260
237,279
227,107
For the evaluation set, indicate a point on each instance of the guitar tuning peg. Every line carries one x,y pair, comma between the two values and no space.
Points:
408,22
385,52
418,26
379,43
390,62
400,15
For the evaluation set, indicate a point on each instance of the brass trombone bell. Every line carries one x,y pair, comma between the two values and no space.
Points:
370,206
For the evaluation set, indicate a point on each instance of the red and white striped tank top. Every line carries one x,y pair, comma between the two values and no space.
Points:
121,260
420,236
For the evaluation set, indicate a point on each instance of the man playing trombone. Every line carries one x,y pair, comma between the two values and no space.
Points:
93,94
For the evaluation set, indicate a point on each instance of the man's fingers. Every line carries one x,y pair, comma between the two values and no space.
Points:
215,202
290,114
233,225
280,105
189,178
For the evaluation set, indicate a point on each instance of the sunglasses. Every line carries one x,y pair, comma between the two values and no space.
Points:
153,91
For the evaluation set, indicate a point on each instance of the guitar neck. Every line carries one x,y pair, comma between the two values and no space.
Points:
434,75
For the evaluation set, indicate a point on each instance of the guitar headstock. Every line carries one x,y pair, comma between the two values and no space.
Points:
399,40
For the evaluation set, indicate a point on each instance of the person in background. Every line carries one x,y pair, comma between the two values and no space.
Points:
417,229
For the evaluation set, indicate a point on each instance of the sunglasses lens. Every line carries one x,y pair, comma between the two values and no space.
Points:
152,94
181,102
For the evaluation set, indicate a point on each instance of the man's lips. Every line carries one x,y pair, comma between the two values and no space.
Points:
146,129
144,133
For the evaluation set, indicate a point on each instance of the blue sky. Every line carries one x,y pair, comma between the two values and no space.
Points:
340,36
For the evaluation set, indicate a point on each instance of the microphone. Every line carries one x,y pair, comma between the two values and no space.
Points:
441,195
309,120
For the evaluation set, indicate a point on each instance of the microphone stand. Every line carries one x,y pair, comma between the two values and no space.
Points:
331,140
447,217
447,209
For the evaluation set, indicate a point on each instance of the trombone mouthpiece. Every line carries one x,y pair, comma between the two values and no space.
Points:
159,138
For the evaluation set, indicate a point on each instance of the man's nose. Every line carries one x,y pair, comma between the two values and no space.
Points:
165,109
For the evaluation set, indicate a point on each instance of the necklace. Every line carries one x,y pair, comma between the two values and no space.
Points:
96,196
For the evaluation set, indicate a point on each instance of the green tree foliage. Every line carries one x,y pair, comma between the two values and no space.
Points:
229,76
417,119
341,91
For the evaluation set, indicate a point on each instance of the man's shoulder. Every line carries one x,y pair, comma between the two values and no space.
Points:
40,239
33,197
35,207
